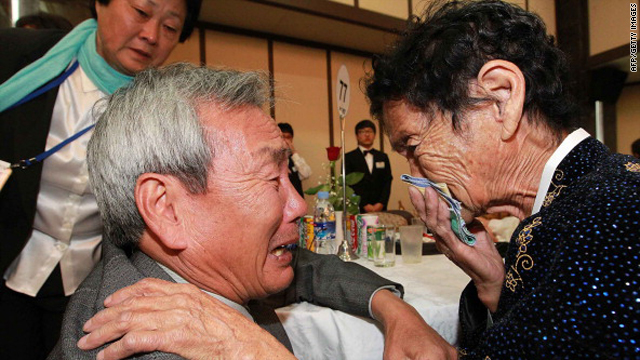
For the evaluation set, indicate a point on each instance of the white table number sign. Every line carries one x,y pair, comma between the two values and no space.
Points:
343,91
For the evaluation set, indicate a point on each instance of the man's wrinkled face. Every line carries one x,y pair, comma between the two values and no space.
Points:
365,137
461,159
251,208
136,34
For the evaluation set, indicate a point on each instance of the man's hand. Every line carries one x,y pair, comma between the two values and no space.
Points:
156,315
377,207
406,334
481,262
290,144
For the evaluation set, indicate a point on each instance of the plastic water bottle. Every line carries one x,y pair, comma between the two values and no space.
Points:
324,225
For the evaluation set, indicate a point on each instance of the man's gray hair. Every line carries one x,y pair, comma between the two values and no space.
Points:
152,126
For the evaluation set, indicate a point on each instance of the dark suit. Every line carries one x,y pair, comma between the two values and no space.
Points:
571,286
375,187
314,281
23,134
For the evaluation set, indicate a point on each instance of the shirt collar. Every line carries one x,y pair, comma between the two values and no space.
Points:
561,152
363,149
87,85
179,279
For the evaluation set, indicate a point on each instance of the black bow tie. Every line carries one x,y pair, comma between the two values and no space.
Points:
366,152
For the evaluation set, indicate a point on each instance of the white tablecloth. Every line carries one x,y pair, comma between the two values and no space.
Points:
433,287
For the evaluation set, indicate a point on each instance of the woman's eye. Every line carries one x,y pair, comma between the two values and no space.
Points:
142,13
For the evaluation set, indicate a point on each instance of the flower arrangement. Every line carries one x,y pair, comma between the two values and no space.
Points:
333,185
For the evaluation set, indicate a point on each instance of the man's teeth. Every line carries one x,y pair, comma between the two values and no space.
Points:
280,250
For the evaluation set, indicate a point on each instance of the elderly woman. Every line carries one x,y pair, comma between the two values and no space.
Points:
475,96
50,226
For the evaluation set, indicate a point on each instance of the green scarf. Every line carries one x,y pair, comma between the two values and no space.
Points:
80,43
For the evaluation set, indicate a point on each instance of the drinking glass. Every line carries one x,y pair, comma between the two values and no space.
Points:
411,243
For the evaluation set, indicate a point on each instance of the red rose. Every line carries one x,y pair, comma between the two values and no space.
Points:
333,153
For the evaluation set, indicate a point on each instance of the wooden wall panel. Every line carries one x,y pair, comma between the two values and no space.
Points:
608,25
302,101
189,51
236,51
546,9
628,118
395,8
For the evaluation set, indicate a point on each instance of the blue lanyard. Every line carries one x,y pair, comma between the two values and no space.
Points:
23,164
55,82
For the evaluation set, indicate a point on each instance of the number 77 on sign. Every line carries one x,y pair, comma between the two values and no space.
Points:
342,91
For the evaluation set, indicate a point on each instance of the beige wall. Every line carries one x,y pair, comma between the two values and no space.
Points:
239,52
189,51
546,9
395,8
301,87
608,24
628,118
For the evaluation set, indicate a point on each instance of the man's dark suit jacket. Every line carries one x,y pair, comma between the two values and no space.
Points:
571,289
375,187
319,279
23,134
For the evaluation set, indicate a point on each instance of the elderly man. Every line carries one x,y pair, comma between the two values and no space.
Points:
192,181
475,96
49,221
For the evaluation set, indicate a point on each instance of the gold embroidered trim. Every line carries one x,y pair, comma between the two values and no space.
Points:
524,261
633,167
553,194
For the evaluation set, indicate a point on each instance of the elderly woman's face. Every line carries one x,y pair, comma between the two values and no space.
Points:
466,160
136,34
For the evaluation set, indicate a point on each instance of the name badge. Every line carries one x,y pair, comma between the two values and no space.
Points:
380,165
5,172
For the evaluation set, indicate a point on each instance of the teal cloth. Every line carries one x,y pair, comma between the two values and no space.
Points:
80,43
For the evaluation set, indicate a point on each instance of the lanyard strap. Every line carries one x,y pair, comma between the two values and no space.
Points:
23,164
55,82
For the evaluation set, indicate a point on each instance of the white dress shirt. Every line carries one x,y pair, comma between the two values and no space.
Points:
368,158
304,170
67,228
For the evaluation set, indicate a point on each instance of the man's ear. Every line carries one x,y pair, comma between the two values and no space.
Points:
503,81
158,199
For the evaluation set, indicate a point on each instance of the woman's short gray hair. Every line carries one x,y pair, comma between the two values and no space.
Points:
152,126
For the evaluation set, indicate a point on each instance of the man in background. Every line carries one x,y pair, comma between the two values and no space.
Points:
298,168
375,187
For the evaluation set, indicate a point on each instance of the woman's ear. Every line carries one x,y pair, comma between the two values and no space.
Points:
158,200
502,80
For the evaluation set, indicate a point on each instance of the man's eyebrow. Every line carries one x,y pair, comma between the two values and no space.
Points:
278,155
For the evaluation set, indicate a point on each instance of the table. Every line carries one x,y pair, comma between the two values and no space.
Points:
433,287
